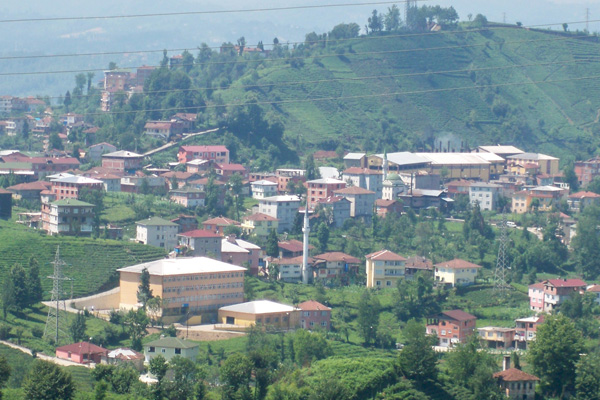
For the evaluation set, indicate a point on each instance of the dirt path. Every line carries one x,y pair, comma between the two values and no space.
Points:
41,356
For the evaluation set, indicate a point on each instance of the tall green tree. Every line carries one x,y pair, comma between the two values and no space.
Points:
586,244
48,381
19,283
323,236
236,373
77,327
392,19
571,177
158,367
34,284
5,371
7,296
587,381
272,248
136,322
417,360
555,353
311,170
368,316
67,101
144,293
375,22
185,374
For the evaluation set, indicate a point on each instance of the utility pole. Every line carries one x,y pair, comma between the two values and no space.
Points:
55,325
587,20
500,271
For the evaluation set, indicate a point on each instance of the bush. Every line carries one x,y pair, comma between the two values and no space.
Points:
4,332
37,332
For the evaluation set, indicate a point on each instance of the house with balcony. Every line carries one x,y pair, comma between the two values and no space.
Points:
557,291
586,171
485,194
497,337
122,160
334,265
188,197
69,187
218,154
288,269
259,224
362,201
68,217
365,178
536,297
263,188
217,225
284,208
456,272
225,171
578,201
526,329
384,269
335,209
163,130
451,327
418,265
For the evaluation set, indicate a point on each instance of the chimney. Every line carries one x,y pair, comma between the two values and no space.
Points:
232,238
505,363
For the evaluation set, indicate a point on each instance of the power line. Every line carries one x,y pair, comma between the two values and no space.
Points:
364,96
361,38
359,78
260,60
249,10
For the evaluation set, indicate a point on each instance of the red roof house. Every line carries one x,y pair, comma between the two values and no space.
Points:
82,353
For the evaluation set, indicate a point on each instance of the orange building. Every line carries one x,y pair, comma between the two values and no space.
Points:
197,285
451,327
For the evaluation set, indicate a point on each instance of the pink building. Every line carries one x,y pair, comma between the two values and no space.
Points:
226,170
82,353
536,297
555,292
217,224
241,253
219,154
321,189
70,186
314,315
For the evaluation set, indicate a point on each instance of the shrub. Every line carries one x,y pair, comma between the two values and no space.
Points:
37,332
4,332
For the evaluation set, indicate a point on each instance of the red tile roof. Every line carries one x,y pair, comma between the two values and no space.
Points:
231,167
312,305
293,245
458,315
82,348
515,375
38,185
582,195
178,175
200,233
331,199
418,262
338,256
457,263
384,203
353,190
594,289
322,154
260,217
222,221
539,285
201,149
385,255
566,282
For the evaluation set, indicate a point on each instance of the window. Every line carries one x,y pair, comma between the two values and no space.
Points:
163,350
151,349
443,332
177,351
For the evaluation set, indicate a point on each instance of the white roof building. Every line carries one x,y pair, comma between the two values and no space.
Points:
183,266
259,307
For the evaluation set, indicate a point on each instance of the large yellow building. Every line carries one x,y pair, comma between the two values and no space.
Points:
384,268
456,272
197,285
260,312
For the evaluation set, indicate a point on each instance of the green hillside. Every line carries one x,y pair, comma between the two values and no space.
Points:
530,111
90,262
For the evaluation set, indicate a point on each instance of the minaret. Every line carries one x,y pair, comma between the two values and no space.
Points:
306,231
385,165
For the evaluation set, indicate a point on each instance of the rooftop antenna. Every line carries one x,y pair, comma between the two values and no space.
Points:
56,326
500,285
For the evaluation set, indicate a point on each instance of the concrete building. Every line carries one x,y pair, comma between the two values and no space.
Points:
458,165
242,253
392,187
484,194
169,347
157,232
261,189
81,353
555,292
219,154
497,337
384,269
362,201
384,208
287,175
586,171
70,186
122,160
336,209
289,269
260,312
355,160
334,265
526,330
200,242
365,178
284,208
197,285
218,224
451,327
578,201
321,189
259,224
96,151
547,164
68,217
314,315
188,197
456,272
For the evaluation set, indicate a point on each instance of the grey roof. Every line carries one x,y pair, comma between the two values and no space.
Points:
405,158
172,343
123,153
354,156
258,307
532,156
156,221
183,266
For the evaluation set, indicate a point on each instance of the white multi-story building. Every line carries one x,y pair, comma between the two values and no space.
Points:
284,208
263,188
486,194
157,232
68,217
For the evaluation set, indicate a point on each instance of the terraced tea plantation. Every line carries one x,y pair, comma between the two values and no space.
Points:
91,263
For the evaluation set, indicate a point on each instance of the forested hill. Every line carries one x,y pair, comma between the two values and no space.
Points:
394,90
516,86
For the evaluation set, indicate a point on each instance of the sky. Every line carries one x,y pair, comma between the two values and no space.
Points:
189,31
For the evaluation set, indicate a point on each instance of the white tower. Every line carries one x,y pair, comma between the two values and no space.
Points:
385,165
306,231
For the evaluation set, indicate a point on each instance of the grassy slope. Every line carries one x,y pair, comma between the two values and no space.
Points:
90,262
561,115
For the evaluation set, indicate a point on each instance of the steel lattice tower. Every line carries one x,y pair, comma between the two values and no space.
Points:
500,271
56,326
